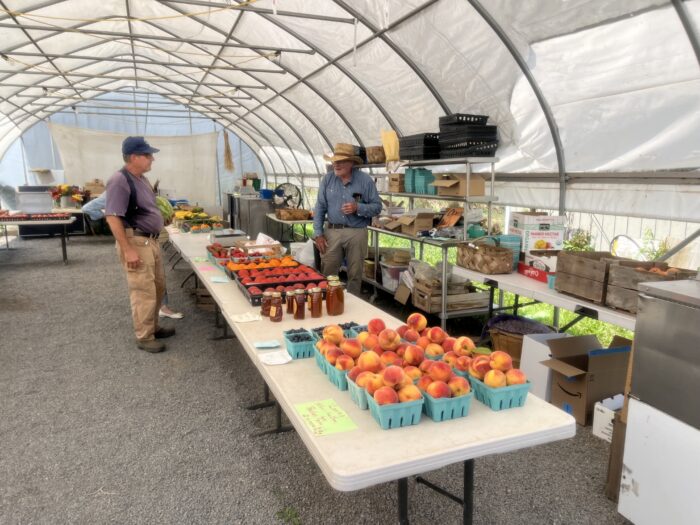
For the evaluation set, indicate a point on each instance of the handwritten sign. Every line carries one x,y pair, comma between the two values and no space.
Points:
325,417
199,259
206,268
219,279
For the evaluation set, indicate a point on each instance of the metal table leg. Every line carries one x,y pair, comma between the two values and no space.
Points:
467,499
63,245
403,501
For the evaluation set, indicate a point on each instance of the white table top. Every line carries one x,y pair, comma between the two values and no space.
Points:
369,455
273,217
57,222
522,285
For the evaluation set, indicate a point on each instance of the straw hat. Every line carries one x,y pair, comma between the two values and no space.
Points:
343,152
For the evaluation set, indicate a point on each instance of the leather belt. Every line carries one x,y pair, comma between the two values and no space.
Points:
139,233
337,226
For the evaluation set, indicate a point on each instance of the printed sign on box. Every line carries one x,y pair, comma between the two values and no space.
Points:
540,239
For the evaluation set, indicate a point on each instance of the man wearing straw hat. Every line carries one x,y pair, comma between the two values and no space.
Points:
347,200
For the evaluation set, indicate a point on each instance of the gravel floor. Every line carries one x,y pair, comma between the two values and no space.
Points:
93,430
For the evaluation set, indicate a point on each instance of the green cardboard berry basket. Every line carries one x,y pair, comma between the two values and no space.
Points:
301,349
434,357
396,415
321,361
500,398
445,408
356,330
338,377
358,395
458,372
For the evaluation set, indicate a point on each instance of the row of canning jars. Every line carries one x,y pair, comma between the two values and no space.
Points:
273,304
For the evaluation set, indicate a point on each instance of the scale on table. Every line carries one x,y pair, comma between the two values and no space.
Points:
227,237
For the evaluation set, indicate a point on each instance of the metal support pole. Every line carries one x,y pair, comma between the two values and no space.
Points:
403,501
443,307
266,403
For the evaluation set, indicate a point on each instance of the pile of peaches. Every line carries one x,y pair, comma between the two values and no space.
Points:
274,262
396,366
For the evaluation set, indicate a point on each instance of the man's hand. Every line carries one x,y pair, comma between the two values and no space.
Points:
321,244
132,258
349,208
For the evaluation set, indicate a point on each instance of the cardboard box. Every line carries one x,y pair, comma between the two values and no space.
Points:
583,372
412,224
95,187
534,273
402,293
603,414
455,185
536,220
396,184
539,240
535,350
542,260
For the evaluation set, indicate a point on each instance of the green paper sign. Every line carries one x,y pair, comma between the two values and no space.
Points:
325,417
199,259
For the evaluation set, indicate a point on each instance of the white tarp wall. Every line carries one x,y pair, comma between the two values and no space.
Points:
185,166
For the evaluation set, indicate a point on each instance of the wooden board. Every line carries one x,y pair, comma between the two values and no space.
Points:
433,303
589,265
621,298
580,287
628,274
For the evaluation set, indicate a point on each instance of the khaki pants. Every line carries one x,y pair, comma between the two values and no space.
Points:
146,285
348,243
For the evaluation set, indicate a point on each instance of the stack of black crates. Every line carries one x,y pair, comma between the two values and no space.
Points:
461,135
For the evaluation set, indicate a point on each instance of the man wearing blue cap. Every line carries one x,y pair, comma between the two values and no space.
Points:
136,222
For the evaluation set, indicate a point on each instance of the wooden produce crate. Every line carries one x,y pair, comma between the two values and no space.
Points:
624,278
584,274
292,214
396,184
460,296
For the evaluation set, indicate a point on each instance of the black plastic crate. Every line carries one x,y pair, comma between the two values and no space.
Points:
420,140
361,152
478,149
419,153
460,119
469,134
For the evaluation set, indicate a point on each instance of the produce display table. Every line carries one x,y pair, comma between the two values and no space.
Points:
62,222
272,217
387,455
521,285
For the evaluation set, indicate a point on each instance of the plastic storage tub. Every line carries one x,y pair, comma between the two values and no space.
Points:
391,273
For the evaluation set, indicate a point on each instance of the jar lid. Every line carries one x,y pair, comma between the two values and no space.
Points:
314,290
333,278
300,292
269,294
334,283
276,294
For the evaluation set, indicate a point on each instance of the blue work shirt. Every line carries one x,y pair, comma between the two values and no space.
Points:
332,194
95,207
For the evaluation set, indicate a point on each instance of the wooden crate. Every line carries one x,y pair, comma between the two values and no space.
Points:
624,278
396,182
292,214
459,297
584,274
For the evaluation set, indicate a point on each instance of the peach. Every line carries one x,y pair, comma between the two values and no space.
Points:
459,386
501,361
362,336
376,349
425,366
440,371
424,332
401,330
354,372
401,349
370,341
333,334
392,375
515,376
375,326
495,379
464,346
344,362
449,344
386,396
333,354
409,393
462,363
399,362
434,349
438,389
404,382
411,335
389,339
436,335
423,342
325,346
424,382
414,355
387,358
450,358
417,321
351,347
479,366
374,383
369,361
413,372
363,378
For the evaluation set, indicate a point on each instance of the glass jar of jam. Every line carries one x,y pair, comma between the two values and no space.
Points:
276,307
290,302
316,302
266,303
299,304
335,298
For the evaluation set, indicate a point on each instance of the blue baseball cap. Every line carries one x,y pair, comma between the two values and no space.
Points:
137,146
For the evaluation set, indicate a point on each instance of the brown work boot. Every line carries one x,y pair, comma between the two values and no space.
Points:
163,332
151,345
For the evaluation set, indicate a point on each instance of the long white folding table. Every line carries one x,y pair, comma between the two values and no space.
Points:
368,455
62,222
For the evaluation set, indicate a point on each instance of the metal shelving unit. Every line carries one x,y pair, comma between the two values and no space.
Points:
444,244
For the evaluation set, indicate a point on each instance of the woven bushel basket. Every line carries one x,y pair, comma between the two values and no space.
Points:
375,155
485,258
